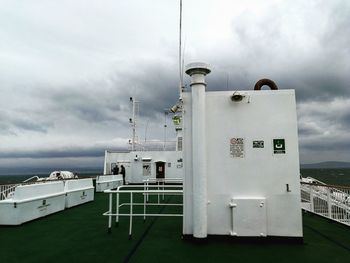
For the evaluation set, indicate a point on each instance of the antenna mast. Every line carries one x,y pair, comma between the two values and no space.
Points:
180,52
135,110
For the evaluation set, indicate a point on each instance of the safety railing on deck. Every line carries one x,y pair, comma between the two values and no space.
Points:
330,201
160,182
6,190
155,146
140,189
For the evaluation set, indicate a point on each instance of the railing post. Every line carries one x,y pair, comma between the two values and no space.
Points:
144,189
144,206
117,210
329,203
158,190
147,190
311,198
131,205
110,213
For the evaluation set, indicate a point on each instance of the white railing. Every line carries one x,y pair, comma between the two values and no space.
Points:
163,180
31,178
6,189
160,182
155,146
145,192
330,201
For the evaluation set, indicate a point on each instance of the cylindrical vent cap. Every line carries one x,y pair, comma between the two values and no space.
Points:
197,68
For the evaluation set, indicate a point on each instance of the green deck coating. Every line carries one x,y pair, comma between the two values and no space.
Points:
80,235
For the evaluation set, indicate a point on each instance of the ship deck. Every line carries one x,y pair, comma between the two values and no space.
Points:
80,234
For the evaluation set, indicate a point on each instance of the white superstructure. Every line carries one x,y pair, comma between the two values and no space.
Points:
241,161
143,165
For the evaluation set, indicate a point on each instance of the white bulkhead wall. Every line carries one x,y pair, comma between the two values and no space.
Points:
253,173
133,163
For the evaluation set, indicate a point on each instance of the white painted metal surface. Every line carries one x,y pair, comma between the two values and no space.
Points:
329,201
248,216
78,192
135,162
106,182
245,158
197,72
32,201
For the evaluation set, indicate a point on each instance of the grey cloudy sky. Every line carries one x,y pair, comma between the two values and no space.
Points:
67,69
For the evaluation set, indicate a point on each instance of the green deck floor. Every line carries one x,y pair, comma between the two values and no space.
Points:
80,235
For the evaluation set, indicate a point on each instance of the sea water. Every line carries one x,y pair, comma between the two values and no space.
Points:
340,176
336,176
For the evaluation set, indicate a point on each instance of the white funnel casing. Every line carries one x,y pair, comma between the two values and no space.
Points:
197,71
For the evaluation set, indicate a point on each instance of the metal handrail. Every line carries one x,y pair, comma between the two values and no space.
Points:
36,177
146,183
145,192
327,185
330,201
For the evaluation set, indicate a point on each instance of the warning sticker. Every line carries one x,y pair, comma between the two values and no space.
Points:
279,146
258,144
237,147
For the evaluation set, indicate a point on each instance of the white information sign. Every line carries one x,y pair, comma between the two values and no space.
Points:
237,147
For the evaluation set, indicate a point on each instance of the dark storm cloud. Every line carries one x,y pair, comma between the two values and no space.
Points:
301,45
25,121
157,87
345,120
324,129
30,126
6,130
306,130
92,151
328,115
327,144
92,107
153,84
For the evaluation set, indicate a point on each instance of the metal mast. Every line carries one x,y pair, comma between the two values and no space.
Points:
135,109
180,53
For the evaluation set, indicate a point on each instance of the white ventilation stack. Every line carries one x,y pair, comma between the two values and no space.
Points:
198,71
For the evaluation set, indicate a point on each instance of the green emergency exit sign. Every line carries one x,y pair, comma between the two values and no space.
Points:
279,146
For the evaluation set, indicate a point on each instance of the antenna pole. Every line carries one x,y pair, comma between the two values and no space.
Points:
165,126
133,121
180,52
133,126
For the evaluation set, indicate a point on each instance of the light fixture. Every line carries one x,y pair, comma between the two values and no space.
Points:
237,97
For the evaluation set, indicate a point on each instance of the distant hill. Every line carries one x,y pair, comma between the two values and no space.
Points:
325,165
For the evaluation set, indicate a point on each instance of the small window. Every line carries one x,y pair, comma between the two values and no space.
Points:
169,164
146,169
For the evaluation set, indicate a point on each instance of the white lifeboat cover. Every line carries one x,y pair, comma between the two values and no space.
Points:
61,175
